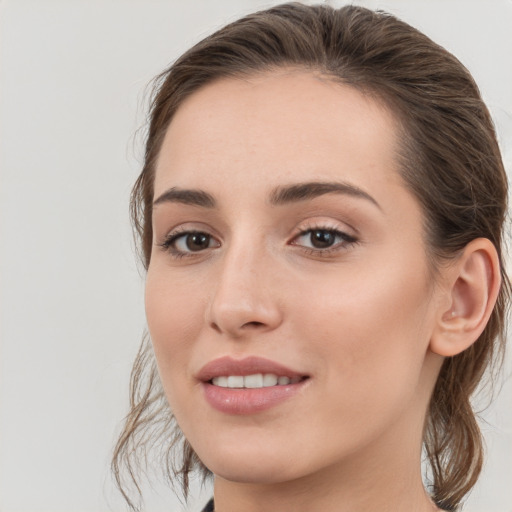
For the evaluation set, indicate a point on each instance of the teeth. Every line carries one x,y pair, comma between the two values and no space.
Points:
253,381
235,381
269,379
221,381
257,380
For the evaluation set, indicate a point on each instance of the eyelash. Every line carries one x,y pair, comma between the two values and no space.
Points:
172,238
347,241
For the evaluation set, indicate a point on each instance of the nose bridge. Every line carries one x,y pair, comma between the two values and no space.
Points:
244,299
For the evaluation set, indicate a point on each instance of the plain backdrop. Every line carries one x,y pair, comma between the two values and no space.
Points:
72,81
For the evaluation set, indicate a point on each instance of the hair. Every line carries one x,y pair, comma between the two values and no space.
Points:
448,158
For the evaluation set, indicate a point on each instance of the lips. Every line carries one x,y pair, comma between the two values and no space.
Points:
225,366
249,385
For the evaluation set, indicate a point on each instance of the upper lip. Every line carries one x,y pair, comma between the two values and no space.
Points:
225,366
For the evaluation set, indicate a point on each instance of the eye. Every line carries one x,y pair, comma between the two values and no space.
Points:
188,242
319,239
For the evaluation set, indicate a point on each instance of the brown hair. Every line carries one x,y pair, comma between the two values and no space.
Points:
449,158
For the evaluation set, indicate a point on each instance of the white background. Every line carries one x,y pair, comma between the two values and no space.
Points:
73,73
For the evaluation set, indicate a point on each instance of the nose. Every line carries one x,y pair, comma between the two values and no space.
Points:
245,299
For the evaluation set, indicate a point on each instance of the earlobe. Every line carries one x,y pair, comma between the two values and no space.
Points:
472,288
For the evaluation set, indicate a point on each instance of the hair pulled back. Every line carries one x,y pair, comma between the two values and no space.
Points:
448,157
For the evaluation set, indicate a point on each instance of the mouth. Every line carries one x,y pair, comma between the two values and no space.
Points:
255,381
250,385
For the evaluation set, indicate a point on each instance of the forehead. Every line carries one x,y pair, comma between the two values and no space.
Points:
281,125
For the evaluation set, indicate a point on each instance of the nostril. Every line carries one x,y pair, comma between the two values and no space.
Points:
215,327
246,327
253,324
241,317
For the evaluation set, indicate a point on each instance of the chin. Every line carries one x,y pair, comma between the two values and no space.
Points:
264,460
253,471
241,464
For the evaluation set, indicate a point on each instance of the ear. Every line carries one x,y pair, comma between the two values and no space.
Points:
472,286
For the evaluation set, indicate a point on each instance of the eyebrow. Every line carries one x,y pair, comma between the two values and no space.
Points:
303,191
186,196
279,196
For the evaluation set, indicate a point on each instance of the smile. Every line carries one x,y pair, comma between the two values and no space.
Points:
250,385
254,381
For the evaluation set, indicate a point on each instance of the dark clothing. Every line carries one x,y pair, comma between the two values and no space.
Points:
209,506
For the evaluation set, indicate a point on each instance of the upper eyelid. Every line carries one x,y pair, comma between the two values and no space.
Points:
302,226
347,236
175,234
328,225
324,228
188,227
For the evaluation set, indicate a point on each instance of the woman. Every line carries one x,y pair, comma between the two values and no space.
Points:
320,215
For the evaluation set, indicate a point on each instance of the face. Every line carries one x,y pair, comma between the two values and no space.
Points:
288,296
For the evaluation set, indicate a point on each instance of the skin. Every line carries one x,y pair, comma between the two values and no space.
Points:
357,317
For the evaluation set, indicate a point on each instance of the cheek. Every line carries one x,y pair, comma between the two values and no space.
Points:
372,331
175,317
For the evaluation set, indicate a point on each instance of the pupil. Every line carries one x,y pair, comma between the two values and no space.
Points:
198,241
322,239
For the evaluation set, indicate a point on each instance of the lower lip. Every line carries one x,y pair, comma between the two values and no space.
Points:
245,401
